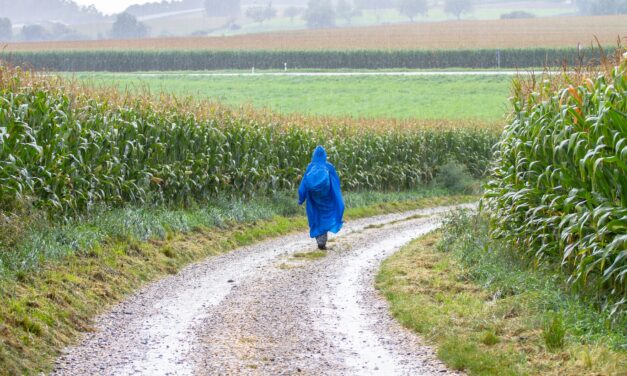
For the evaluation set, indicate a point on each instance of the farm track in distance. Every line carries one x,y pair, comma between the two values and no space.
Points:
526,33
327,74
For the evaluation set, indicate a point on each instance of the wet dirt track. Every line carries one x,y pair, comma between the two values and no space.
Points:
260,311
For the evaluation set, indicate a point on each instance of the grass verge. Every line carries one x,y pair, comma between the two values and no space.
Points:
62,277
489,313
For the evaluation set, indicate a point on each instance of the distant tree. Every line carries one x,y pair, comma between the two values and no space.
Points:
146,9
223,8
61,31
345,10
615,6
260,13
127,26
517,14
602,7
319,14
375,4
411,8
269,12
34,32
58,28
256,13
32,12
584,6
6,29
90,13
292,12
457,7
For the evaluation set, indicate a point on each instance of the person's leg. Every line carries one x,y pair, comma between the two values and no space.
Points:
322,241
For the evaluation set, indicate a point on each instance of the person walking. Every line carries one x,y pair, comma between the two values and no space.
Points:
320,187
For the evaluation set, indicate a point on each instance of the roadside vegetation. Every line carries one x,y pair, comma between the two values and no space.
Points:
557,189
534,283
61,275
489,311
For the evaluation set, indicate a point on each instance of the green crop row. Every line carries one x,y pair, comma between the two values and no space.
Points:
559,187
66,152
133,60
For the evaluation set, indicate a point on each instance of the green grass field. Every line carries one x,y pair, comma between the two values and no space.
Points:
400,97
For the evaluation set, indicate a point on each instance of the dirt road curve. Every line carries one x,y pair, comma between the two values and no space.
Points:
260,311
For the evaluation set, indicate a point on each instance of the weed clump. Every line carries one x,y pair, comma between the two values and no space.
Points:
311,256
168,251
554,333
455,177
31,326
489,338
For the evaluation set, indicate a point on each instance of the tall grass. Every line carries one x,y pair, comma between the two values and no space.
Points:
558,188
28,241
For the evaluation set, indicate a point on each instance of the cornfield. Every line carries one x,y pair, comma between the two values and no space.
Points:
559,185
168,60
65,148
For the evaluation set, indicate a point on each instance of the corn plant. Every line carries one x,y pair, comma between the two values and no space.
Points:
559,184
164,60
66,149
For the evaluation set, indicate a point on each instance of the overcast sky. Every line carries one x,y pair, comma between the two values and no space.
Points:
111,6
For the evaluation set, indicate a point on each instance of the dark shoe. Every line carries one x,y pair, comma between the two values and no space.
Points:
322,241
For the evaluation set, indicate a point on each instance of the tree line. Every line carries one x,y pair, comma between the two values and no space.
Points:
124,26
324,13
34,11
602,7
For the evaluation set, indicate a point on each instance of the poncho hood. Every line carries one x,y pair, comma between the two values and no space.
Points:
319,155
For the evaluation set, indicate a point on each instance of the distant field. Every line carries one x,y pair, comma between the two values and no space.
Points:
391,16
197,21
539,32
434,97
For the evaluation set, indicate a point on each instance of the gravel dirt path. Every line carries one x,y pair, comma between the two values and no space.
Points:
332,74
261,311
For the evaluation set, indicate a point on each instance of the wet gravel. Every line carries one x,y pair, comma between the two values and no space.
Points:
260,311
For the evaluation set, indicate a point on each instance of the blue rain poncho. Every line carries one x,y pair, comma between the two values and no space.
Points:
320,187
